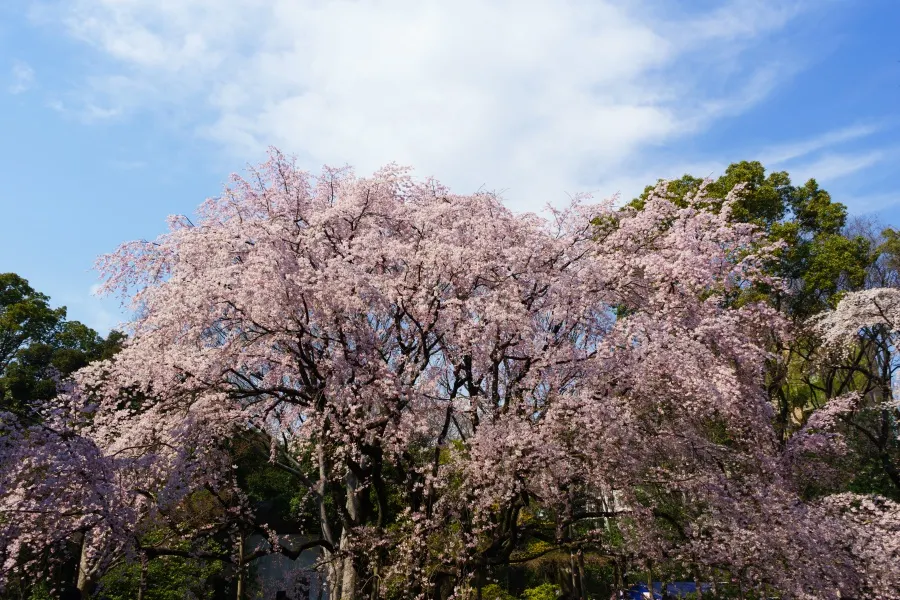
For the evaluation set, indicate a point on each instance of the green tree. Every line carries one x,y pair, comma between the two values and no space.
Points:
25,317
163,578
39,347
818,258
822,257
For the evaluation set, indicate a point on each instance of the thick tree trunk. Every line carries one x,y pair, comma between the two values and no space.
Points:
333,568
343,575
334,575
349,575
348,579
86,583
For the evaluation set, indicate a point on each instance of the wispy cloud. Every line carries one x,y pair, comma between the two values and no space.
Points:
22,76
532,96
102,319
831,167
832,155
869,203
86,112
798,149
747,18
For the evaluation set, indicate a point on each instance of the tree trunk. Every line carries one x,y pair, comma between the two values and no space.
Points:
573,576
342,573
376,584
349,577
333,577
620,573
240,573
582,575
86,583
142,587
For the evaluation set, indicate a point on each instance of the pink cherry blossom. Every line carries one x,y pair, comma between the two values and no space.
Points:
564,380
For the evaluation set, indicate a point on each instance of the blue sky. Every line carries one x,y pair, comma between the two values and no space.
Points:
117,113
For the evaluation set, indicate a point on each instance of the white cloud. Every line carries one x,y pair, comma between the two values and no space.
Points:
533,96
869,203
101,319
84,111
747,18
22,76
787,152
831,167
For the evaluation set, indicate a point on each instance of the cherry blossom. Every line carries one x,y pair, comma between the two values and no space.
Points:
514,382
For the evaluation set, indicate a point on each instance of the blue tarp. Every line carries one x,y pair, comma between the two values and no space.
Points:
678,589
